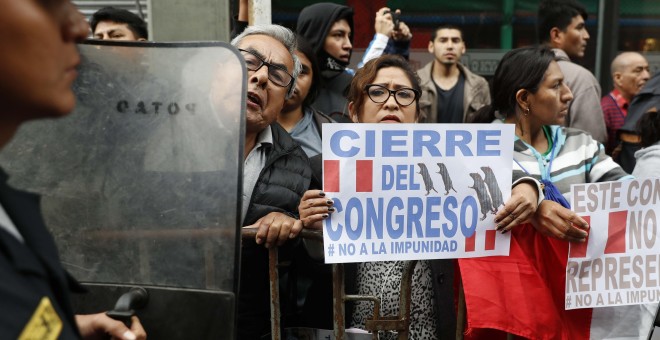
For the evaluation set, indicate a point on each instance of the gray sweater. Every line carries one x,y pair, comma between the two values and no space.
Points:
648,162
584,111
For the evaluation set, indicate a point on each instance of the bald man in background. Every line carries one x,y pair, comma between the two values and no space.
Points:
630,71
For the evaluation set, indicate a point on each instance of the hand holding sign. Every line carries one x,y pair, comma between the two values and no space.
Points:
314,207
552,219
519,208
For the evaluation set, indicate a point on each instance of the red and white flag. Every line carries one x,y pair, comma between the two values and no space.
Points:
524,294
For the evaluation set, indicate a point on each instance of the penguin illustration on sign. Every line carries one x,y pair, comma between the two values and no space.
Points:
446,180
428,182
482,195
493,187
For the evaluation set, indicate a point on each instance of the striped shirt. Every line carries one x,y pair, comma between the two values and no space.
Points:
578,159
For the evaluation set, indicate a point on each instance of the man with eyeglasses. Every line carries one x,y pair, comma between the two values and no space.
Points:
276,170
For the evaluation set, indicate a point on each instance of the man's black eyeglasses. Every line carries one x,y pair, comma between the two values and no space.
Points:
277,74
380,94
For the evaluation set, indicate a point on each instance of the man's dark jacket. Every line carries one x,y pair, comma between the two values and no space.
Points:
284,179
31,270
647,99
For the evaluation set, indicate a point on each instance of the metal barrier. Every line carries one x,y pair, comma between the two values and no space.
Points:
378,323
399,323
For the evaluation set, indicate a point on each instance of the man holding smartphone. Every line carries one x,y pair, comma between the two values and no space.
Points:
392,36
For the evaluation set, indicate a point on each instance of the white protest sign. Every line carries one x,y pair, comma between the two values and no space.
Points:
415,191
620,262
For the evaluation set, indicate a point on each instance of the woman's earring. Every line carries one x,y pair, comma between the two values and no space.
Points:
526,112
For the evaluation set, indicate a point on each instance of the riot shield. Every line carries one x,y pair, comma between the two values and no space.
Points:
141,184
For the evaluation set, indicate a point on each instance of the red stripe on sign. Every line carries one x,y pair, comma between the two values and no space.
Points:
331,176
579,250
616,233
470,241
490,239
364,173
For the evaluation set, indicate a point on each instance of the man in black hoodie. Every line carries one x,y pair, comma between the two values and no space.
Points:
328,27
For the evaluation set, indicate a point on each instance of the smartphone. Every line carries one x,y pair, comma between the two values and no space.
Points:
395,19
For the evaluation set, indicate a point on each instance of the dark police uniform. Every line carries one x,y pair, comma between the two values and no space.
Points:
34,288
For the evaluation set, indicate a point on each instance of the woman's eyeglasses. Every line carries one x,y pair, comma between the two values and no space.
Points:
380,94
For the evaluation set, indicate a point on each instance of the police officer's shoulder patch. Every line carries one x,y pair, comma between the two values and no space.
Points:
44,324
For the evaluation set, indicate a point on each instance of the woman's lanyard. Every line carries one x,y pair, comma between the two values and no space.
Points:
549,189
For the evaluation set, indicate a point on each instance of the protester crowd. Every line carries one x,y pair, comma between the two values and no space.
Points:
566,132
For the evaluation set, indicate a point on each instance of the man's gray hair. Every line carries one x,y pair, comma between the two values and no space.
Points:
284,36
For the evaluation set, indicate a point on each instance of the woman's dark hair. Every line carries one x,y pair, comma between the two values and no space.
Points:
522,68
305,48
366,75
648,127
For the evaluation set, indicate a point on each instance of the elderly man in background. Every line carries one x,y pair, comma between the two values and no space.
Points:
630,72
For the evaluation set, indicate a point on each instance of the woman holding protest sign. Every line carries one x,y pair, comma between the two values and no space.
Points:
386,90
529,91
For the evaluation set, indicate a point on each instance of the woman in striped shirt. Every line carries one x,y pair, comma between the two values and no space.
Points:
528,91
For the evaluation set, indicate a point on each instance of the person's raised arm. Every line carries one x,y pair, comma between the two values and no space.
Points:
240,22
243,10
383,27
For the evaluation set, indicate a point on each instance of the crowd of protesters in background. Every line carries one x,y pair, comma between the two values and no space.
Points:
296,82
